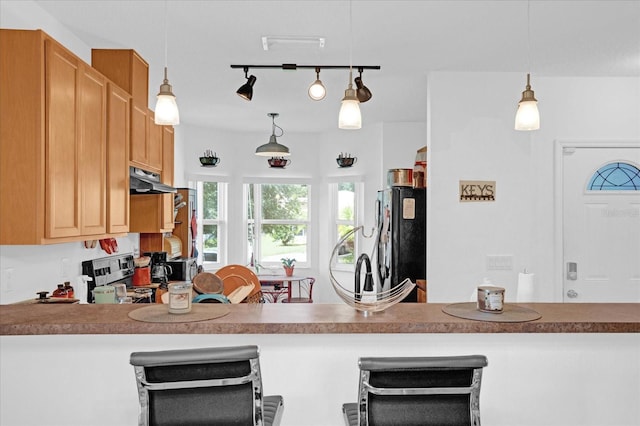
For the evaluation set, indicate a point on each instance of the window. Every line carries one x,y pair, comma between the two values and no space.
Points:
278,219
615,177
345,201
211,232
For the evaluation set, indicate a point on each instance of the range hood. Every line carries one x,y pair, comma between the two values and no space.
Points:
143,182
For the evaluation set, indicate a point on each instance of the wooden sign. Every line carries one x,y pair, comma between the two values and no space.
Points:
477,190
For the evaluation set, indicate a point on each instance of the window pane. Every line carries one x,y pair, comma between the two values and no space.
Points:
346,202
282,202
274,247
210,243
346,251
615,177
210,200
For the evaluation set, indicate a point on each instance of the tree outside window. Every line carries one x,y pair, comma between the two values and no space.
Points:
280,225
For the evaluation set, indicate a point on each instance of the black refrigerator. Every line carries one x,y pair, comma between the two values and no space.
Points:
401,237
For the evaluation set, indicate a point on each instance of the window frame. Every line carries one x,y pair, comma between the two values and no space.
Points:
258,221
221,222
334,184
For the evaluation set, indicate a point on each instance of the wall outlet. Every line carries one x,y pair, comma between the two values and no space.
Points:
499,262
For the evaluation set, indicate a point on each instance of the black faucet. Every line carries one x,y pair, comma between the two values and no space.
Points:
368,279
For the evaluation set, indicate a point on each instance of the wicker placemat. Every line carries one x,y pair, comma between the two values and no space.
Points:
510,313
160,313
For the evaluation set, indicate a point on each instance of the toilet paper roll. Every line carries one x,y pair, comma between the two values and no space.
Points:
525,287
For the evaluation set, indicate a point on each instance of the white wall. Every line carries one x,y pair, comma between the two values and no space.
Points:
588,379
471,137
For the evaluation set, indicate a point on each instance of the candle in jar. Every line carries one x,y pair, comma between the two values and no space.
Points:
180,298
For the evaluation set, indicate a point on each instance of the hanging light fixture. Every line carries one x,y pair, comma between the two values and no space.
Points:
273,148
166,112
528,116
350,117
317,91
362,92
246,90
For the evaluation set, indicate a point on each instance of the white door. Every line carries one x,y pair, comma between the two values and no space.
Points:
601,224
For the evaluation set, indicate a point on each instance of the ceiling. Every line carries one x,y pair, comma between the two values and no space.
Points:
408,39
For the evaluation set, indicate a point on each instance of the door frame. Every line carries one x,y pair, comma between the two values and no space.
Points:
559,145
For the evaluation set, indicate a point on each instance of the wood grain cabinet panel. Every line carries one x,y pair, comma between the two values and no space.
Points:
118,103
53,184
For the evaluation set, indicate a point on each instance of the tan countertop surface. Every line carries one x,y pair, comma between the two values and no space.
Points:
43,319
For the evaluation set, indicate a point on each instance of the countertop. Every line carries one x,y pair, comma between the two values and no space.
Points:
45,319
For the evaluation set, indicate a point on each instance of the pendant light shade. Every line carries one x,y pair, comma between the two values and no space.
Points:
350,117
528,116
166,112
273,148
317,91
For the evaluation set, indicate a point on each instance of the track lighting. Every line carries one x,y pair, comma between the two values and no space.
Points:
317,90
362,92
273,148
246,90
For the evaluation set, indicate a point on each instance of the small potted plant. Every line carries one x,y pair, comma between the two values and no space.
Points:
288,264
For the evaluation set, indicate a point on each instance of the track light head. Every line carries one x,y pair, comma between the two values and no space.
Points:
246,90
317,91
362,92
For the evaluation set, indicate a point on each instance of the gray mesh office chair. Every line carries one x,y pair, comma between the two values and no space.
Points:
204,386
420,391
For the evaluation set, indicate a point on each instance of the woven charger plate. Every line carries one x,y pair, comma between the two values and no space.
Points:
160,313
510,313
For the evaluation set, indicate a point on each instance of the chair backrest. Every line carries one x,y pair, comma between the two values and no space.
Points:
302,291
443,391
199,386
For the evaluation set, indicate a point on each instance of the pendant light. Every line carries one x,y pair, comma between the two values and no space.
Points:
273,148
528,116
350,117
317,91
166,112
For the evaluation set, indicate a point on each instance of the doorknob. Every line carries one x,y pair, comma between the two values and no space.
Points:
572,294
572,271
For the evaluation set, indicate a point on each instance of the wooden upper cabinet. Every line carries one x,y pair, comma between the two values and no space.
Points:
167,155
52,142
154,143
62,78
118,128
125,68
139,150
92,151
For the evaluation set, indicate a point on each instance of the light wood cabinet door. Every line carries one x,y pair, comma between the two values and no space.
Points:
139,136
62,206
118,102
167,155
154,147
92,153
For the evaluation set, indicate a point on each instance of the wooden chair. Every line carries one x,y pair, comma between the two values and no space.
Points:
305,291
417,391
204,386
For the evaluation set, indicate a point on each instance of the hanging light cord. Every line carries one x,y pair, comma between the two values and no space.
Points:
166,38
350,43
528,38
274,126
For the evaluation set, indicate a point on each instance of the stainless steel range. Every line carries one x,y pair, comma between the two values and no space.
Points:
108,270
